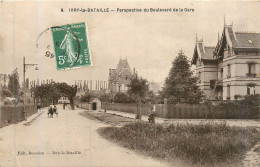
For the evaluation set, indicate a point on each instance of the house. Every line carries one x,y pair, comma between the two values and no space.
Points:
64,99
94,104
9,101
206,66
230,69
120,77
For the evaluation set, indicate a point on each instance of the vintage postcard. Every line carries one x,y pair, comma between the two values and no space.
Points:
130,83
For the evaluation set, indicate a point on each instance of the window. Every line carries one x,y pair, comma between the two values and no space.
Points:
199,77
228,71
250,89
119,88
229,51
221,73
228,92
251,70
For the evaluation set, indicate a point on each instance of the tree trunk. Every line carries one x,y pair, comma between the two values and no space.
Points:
139,115
72,104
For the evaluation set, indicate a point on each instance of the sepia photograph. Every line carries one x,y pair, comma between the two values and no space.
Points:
148,83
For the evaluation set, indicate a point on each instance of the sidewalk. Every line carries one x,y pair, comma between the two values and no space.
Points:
31,118
229,122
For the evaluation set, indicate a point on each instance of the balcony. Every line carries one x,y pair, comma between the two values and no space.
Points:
251,75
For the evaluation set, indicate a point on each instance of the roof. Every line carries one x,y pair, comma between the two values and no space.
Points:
208,54
247,40
237,40
122,64
202,52
10,98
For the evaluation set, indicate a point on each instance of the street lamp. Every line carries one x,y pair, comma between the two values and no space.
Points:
25,67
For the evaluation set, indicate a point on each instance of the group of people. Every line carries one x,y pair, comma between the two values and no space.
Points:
65,105
52,110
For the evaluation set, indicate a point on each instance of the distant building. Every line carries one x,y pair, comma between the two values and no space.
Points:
9,101
120,77
94,104
64,99
230,69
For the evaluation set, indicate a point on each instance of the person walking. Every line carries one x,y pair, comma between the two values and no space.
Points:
151,116
55,110
50,113
39,108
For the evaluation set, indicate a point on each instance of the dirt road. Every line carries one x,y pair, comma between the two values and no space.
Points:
67,140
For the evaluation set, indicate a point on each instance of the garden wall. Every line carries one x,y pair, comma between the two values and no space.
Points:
187,111
11,114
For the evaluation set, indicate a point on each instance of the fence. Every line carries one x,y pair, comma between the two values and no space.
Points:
186,111
84,105
11,114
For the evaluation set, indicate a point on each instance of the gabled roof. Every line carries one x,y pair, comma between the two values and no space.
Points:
208,55
202,52
122,64
237,40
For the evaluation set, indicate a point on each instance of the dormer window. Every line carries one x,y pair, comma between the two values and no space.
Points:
229,51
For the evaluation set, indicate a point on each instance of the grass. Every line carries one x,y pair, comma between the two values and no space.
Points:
197,145
108,118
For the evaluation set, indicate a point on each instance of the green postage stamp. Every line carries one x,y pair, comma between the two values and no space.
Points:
71,46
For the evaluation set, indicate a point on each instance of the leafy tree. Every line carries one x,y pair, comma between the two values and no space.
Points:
121,97
151,97
46,92
138,88
52,92
5,93
69,91
13,84
105,97
87,97
3,80
180,86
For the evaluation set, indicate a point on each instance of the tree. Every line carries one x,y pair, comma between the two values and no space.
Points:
138,88
52,92
69,91
5,93
3,80
121,97
87,97
180,86
105,97
13,84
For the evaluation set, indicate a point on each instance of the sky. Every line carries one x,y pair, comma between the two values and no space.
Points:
149,41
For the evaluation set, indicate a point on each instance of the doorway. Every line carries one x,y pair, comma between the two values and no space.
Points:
94,106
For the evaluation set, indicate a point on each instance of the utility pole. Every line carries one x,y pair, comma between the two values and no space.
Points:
25,67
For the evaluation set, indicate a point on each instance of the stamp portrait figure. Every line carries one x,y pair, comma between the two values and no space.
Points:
67,45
